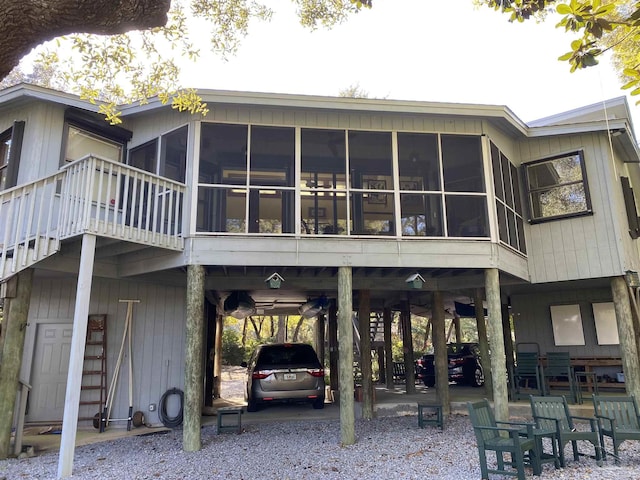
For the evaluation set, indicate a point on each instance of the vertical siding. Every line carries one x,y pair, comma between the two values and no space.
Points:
42,140
582,247
157,334
532,320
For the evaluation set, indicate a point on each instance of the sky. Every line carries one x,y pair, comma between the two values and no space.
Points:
426,50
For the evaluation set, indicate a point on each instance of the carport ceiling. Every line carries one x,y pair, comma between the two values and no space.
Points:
387,286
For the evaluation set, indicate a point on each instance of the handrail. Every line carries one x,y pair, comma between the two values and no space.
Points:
90,195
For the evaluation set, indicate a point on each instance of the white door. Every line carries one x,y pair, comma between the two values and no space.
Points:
49,372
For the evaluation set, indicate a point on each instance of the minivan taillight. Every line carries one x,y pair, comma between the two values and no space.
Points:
260,374
316,372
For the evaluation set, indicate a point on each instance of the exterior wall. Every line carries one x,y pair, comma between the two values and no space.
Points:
582,247
157,334
532,320
42,141
351,120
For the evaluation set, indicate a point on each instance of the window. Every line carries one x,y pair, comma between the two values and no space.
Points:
236,198
173,154
81,143
557,187
10,147
508,202
5,151
145,157
349,182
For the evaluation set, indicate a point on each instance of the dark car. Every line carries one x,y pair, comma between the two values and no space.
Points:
284,372
464,365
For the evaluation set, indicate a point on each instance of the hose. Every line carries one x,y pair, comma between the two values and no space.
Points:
167,421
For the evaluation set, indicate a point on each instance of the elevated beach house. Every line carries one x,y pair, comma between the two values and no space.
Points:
281,204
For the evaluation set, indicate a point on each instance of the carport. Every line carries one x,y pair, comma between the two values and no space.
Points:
352,294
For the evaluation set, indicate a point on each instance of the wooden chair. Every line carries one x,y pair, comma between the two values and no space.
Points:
526,375
552,413
489,437
619,420
559,367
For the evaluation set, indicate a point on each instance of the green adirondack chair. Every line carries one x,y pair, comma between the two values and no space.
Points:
559,367
552,413
518,441
619,420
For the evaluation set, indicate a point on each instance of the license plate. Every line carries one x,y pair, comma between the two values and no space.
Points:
289,376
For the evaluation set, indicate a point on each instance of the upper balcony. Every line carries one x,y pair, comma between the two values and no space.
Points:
90,195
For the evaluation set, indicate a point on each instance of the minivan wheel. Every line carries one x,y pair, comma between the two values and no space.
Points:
318,403
478,378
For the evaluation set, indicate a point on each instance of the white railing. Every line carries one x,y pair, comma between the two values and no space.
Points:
114,200
90,195
28,223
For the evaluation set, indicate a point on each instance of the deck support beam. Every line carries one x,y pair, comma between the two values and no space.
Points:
496,334
483,341
626,334
387,318
345,360
76,357
193,388
440,358
319,336
14,327
333,347
407,349
364,325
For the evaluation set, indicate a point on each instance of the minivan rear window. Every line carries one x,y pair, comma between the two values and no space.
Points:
287,355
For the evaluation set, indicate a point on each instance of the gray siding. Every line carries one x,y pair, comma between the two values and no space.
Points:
158,335
532,320
583,247
42,142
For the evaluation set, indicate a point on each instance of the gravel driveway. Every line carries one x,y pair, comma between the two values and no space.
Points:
386,448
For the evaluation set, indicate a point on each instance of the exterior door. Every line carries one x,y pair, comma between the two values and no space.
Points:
49,372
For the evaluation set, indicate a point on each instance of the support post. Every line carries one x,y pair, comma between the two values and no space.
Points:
628,347
76,357
193,389
345,336
441,360
495,331
407,349
14,328
217,356
483,342
319,336
387,317
364,325
333,347
508,337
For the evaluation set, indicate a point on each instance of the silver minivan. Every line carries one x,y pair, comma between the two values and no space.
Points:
284,372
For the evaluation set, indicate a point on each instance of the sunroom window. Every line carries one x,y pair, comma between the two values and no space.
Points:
10,148
557,187
508,202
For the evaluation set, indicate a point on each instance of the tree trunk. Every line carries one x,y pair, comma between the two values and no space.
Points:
296,331
28,23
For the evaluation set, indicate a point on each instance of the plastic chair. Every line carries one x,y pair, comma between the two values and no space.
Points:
489,437
552,413
619,420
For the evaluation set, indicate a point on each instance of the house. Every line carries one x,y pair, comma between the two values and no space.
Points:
341,198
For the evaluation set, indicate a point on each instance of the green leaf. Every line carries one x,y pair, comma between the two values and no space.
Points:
563,9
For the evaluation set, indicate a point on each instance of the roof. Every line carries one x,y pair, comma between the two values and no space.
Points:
612,115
